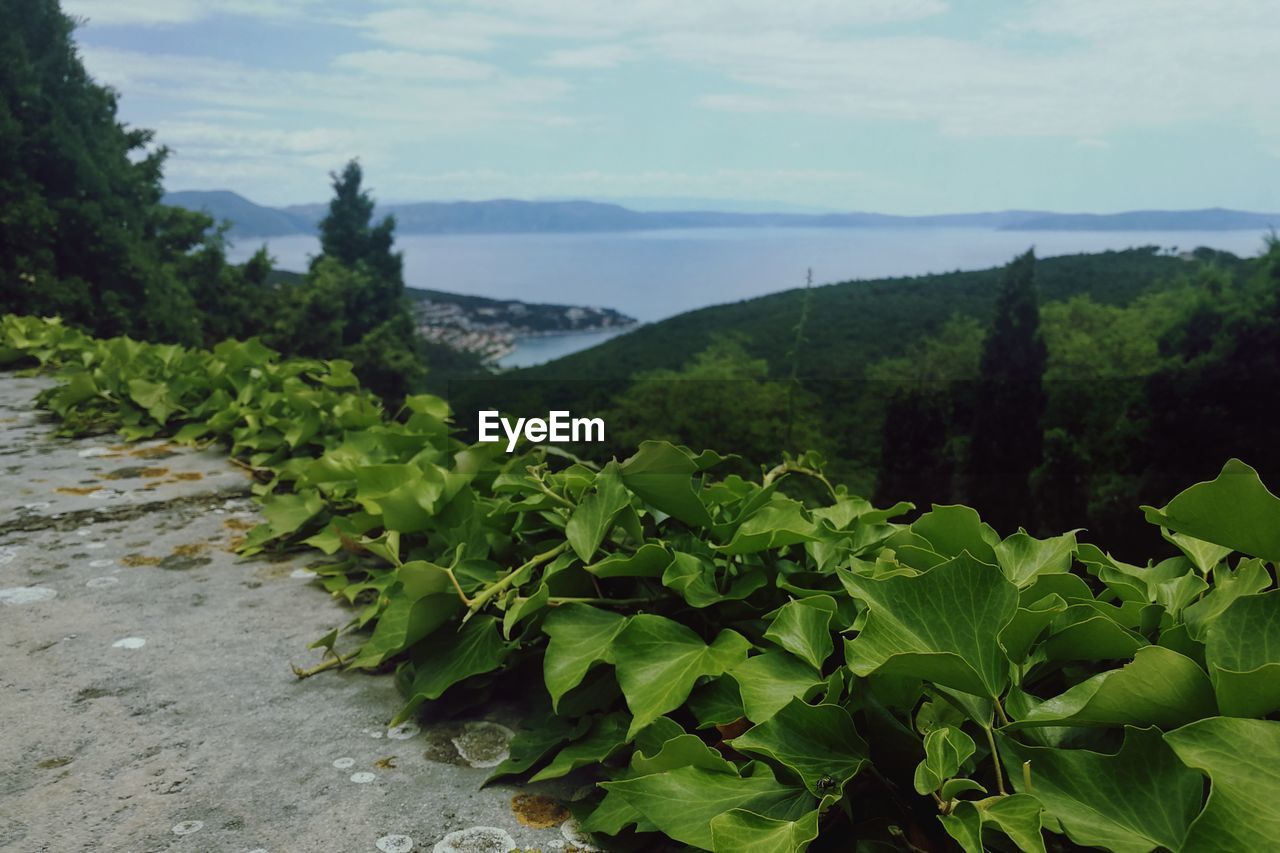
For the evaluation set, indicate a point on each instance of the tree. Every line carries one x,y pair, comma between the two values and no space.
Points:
352,303
82,232
1006,441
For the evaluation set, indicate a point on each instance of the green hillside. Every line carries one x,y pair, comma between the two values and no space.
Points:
854,323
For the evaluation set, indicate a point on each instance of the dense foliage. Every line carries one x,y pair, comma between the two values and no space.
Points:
84,235
737,668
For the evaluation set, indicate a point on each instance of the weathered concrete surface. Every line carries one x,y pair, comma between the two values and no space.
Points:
146,701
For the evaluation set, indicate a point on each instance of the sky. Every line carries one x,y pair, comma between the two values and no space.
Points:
894,106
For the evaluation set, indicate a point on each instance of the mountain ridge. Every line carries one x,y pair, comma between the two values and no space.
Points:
516,216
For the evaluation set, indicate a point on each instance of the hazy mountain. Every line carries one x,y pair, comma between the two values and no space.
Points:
511,216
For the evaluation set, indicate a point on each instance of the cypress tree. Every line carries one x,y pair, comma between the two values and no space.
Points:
1006,443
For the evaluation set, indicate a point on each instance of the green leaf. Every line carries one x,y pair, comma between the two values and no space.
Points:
1160,687
742,831
952,530
946,749
1204,555
777,524
942,626
1023,558
717,703
682,803
424,600
1249,577
683,750
530,746
1017,816
767,682
648,561
606,736
1134,801
594,516
580,637
662,475
1242,760
803,627
659,661
1242,650
286,513
1234,510
818,743
478,648
694,577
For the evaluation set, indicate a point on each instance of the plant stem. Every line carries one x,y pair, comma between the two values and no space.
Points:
504,583
995,759
559,600
1004,718
785,468
318,668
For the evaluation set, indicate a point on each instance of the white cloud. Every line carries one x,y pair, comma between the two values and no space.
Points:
595,56
404,63
161,12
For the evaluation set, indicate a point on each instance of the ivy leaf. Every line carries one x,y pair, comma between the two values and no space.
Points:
1160,687
286,513
647,562
1134,801
659,660
580,637
1249,577
424,600
742,831
1017,816
803,627
683,750
1242,650
682,803
606,736
594,516
1205,555
952,530
1023,558
767,682
942,626
818,743
476,649
530,746
694,577
946,749
779,523
1242,760
1234,510
662,475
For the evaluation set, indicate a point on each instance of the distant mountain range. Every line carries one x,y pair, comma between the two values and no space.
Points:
508,216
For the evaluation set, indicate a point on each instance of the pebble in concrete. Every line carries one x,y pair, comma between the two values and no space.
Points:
484,744
129,643
99,583
476,839
394,844
344,763
26,594
364,777
404,731
188,827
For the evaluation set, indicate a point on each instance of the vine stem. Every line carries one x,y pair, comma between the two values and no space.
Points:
318,668
785,468
1004,718
504,583
556,602
995,759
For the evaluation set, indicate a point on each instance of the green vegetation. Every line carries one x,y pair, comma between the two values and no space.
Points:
736,667
84,235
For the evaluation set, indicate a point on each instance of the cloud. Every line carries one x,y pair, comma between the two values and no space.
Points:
407,64
595,56
162,12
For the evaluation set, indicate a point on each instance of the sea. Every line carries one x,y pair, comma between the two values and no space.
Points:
651,275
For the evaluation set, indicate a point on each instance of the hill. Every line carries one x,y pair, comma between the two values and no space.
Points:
854,323
513,216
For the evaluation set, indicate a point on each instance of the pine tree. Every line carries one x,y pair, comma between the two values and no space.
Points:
1007,439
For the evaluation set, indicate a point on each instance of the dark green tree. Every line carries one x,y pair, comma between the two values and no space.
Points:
82,232
352,303
1007,439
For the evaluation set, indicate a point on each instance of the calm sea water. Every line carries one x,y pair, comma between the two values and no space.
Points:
655,274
